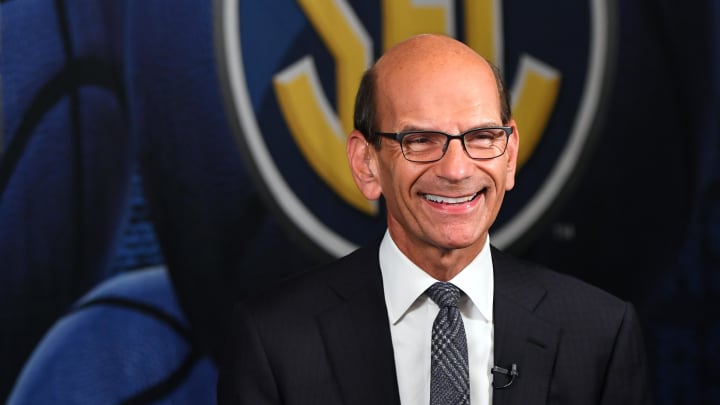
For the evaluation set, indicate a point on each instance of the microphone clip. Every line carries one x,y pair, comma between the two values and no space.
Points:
511,375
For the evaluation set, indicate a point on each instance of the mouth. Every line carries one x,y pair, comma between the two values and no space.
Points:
439,199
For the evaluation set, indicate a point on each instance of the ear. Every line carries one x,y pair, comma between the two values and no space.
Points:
363,165
512,155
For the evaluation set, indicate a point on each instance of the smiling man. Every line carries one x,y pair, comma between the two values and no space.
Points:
432,313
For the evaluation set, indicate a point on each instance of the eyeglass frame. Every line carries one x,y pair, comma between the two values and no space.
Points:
399,136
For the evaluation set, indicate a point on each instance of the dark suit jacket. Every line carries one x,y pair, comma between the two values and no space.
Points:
324,338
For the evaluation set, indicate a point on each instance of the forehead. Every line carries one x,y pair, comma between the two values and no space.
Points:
436,86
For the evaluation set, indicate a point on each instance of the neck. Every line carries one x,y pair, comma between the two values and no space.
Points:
444,265
440,263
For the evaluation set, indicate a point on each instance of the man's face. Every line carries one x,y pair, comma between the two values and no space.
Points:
449,204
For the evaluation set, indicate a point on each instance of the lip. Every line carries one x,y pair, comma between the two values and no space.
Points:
439,199
456,203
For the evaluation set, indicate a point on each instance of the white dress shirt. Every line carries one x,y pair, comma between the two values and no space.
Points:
411,314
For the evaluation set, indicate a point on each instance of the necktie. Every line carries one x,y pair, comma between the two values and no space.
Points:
449,372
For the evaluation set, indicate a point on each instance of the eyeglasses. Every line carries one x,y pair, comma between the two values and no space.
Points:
430,146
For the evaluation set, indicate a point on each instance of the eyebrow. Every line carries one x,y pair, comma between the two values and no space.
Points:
410,128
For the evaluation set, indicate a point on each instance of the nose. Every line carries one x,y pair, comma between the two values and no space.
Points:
455,165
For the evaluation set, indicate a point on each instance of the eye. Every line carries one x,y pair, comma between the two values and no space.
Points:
423,139
417,138
482,137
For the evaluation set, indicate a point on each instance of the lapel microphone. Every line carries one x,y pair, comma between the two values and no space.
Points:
510,374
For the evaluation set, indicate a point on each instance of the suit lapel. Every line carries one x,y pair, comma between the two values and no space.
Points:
357,335
521,337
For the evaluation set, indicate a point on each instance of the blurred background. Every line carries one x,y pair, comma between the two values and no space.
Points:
157,163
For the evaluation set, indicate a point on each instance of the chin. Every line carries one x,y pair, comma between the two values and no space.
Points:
454,242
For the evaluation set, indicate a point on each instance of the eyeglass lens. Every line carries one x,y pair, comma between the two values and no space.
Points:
486,143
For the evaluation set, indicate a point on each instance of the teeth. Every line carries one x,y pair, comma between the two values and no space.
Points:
449,200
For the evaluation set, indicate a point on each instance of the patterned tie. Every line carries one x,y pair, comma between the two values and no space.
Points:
449,372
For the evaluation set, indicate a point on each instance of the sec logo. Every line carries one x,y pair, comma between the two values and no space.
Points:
290,70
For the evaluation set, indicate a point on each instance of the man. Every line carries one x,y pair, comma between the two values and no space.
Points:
435,138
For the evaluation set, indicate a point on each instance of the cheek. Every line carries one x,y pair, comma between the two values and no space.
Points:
397,184
502,176
393,173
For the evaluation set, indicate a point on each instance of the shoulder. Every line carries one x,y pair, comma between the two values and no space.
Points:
593,323
318,288
598,335
557,295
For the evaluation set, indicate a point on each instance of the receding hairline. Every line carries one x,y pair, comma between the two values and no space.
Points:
428,46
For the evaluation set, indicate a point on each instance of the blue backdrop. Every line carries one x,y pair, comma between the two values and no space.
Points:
130,218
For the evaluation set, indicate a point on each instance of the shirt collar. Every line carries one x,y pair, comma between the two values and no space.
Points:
404,281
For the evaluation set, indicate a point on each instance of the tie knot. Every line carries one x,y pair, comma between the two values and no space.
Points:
444,294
